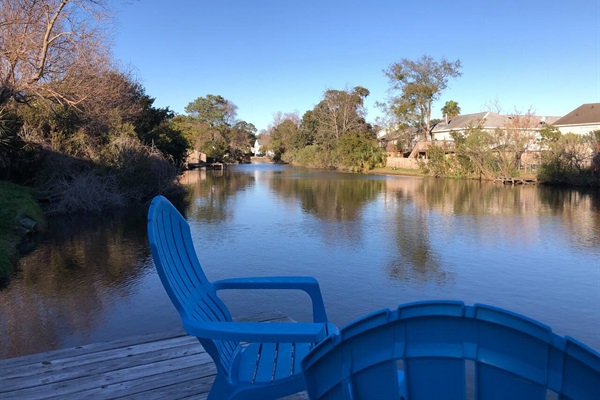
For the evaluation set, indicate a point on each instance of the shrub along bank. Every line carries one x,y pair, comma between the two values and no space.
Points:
20,215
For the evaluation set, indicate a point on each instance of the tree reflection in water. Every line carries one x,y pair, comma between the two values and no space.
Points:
371,241
60,289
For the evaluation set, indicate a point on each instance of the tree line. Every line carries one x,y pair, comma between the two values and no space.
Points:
521,146
78,127
81,129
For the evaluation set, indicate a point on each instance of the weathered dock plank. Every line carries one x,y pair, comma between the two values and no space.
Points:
168,365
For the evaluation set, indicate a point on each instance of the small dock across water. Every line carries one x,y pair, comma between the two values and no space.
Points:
517,181
165,366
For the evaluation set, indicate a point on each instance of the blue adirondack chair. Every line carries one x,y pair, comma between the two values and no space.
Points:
254,360
446,350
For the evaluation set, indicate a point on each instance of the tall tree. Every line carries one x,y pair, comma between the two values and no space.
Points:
241,139
213,116
339,112
213,110
50,49
418,84
283,138
451,109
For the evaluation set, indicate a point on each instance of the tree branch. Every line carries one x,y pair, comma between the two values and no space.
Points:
46,42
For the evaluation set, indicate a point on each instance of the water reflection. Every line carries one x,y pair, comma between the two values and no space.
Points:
62,288
210,193
333,197
416,259
372,242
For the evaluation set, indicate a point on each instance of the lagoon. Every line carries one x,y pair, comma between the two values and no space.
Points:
371,241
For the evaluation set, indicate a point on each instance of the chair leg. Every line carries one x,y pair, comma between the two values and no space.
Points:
221,389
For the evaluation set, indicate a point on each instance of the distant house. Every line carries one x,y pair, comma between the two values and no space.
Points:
582,120
488,121
258,151
525,126
396,141
255,149
195,158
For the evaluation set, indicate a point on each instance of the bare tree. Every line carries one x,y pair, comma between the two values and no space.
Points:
493,105
339,112
50,48
518,136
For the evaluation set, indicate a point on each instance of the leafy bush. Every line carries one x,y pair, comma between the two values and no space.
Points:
315,156
141,172
569,159
359,153
16,202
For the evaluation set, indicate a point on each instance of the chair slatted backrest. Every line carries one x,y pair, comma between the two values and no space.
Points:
183,278
451,351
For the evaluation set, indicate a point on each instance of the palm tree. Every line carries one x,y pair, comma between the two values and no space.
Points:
451,109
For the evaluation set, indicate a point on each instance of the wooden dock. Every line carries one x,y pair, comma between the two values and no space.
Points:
517,181
159,366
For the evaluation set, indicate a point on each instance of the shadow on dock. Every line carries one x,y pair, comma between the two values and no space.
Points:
168,365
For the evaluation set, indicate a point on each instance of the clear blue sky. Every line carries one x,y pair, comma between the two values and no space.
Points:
281,55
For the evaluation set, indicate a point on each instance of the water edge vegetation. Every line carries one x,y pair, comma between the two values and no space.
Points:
20,214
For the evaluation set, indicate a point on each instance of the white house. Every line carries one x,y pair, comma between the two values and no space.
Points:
256,148
258,151
582,120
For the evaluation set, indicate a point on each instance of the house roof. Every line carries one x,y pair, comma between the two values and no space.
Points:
459,122
489,120
584,114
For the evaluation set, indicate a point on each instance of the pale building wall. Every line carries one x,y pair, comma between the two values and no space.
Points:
404,163
443,135
579,129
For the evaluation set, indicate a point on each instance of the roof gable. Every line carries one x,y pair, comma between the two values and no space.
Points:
584,114
490,120
460,122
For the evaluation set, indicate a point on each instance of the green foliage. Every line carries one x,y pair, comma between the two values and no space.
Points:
169,140
316,156
149,117
570,159
339,112
211,128
473,156
286,138
16,202
481,154
359,153
440,162
418,84
241,138
189,128
212,110
550,133
10,143
451,109
107,153
332,135
309,125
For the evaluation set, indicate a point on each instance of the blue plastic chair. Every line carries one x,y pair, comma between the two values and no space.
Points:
446,350
254,360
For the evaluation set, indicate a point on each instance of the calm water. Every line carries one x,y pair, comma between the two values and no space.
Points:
372,242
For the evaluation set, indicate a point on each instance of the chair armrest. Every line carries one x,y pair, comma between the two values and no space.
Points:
304,283
276,332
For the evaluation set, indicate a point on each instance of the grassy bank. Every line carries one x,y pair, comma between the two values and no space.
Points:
17,203
396,171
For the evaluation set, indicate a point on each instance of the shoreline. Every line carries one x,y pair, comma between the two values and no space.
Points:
20,217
